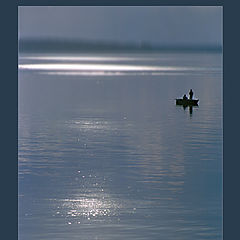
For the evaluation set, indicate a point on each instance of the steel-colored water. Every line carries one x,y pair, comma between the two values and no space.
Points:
104,152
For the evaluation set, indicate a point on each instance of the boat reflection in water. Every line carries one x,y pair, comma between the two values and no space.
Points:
190,109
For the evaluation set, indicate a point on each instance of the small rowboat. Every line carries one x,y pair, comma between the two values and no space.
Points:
187,102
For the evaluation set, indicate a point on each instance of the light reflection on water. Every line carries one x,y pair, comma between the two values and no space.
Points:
103,65
90,207
117,159
79,58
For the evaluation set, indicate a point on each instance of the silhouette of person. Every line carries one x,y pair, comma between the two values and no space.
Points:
185,97
190,93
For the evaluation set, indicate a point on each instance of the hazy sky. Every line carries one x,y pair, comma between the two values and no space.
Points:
161,25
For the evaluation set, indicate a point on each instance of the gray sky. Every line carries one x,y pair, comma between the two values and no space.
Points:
161,25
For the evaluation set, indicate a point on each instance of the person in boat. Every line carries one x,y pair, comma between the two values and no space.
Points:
191,94
185,97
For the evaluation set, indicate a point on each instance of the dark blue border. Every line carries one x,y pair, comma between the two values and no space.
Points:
231,120
121,2
8,113
9,98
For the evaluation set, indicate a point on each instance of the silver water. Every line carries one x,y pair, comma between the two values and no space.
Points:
104,152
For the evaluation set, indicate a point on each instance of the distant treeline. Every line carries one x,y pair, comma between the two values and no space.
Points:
53,45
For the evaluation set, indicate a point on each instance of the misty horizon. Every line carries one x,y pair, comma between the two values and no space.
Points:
64,45
155,26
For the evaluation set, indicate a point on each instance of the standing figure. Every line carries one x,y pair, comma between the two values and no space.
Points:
190,94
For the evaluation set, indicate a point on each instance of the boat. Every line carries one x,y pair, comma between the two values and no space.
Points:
187,102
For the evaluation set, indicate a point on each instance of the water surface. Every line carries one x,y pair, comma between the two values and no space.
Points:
104,152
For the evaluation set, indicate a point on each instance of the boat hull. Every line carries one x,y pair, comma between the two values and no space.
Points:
187,102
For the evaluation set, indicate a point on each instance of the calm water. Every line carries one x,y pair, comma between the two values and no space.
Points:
104,152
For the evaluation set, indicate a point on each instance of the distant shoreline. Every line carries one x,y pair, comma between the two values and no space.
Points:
77,46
